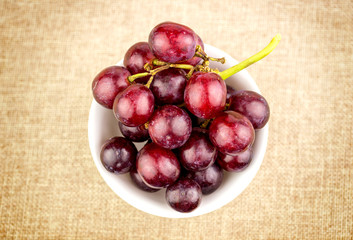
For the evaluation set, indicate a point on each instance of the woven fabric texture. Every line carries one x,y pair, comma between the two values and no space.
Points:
50,52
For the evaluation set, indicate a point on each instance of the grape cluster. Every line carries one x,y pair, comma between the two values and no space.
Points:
194,125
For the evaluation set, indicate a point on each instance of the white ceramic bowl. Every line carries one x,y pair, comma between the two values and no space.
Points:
102,125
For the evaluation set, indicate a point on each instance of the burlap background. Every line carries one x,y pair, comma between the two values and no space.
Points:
51,50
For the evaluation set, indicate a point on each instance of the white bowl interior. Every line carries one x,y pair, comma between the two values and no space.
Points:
102,125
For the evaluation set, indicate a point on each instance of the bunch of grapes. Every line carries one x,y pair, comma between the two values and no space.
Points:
195,126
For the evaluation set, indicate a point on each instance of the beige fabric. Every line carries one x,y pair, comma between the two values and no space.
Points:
51,50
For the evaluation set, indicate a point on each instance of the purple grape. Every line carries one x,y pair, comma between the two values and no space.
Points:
184,195
168,86
135,134
235,163
197,153
253,106
118,155
209,179
136,178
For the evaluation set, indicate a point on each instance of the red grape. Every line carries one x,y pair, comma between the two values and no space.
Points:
253,106
231,133
209,179
235,163
134,106
205,94
118,155
135,134
168,86
197,153
184,195
170,127
195,60
136,178
157,166
172,42
108,83
136,57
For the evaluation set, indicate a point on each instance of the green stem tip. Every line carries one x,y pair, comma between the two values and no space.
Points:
253,59
138,75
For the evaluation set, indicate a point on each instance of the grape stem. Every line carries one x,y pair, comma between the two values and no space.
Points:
227,106
137,75
154,72
194,69
148,84
172,65
148,66
205,123
144,74
253,59
201,54
181,105
157,62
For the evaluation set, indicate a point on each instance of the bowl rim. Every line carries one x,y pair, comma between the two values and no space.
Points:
255,166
